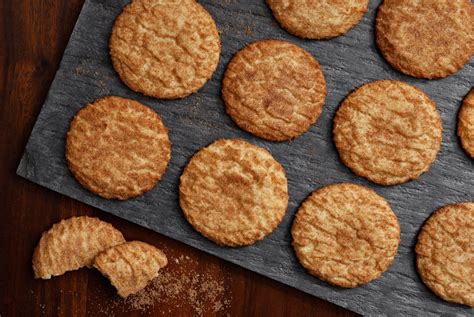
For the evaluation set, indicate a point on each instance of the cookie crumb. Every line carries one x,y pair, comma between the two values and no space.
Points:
179,286
249,30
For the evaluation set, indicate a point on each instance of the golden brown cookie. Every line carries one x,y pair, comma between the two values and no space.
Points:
71,244
345,234
466,123
318,19
165,49
130,266
117,148
274,89
445,253
388,132
233,192
427,39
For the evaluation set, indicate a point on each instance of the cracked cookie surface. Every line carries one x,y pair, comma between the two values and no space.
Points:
427,39
466,123
71,244
165,49
233,192
445,253
388,132
274,89
345,234
318,19
117,148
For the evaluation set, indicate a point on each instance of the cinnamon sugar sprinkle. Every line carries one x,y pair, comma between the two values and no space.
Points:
179,287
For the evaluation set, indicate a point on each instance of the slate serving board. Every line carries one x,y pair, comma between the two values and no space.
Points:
310,161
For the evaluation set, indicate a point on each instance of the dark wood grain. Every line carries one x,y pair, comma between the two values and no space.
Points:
33,35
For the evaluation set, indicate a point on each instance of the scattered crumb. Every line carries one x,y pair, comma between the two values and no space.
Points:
242,27
249,30
102,84
79,70
176,287
93,76
198,100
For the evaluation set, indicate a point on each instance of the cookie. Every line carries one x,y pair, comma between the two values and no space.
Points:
445,253
322,19
117,148
345,234
466,123
274,89
71,244
388,132
233,192
130,266
426,39
165,49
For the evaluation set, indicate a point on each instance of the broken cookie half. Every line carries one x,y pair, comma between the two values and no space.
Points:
130,266
72,244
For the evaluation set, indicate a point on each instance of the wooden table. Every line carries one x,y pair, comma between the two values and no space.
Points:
33,35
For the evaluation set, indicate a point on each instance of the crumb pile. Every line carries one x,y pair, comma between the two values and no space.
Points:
177,287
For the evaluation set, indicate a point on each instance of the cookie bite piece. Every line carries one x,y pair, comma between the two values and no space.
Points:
130,266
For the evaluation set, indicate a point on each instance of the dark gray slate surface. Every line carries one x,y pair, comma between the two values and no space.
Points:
311,160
